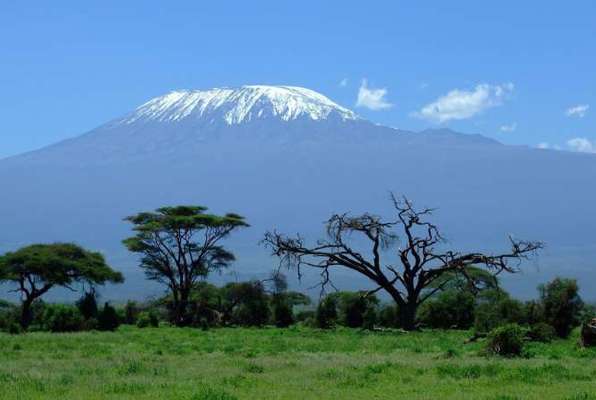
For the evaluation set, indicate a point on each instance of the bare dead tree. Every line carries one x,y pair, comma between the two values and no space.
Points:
420,261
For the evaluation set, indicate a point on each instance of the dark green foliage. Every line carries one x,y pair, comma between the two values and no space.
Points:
506,340
131,312
62,318
179,247
389,316
304,315
282,312
107,319
14,328
38,268
147,319
541,332
562,305
534,312
326,315
352,306
496,309
246,303
206,300
87,305
369,319
9,315
452,309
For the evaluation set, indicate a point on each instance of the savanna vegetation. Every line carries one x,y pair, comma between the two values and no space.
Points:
436,324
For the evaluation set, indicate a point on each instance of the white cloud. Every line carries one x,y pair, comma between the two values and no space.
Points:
543,145
509,128
463,104
577,111
373,99
343,82
582,145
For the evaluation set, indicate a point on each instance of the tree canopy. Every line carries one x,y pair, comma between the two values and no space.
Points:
37,268
179,246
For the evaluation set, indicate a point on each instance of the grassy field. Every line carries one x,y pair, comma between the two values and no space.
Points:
297,363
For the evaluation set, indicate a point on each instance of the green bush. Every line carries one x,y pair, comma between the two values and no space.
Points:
326,314
389,316
507,340
541,332
562,305
14,329
497,309
87,305
369,319
62,318
147,319
131,313
246,303
282,312
107,319
303,315
450,309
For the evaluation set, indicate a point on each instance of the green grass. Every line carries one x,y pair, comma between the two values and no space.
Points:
296,363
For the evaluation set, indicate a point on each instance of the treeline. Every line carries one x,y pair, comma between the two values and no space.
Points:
179,247
556,312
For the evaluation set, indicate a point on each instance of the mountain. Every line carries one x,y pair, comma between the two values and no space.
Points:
286,158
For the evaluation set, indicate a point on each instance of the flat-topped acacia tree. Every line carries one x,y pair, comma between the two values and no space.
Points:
179,246
38,268
416,268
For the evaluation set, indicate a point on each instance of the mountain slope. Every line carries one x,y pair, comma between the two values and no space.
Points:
288,162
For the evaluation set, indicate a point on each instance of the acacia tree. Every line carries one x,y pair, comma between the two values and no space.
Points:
421,266
180,245
38,268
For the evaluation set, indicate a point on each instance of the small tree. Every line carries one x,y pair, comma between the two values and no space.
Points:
245,303
38,268
107,319
561,304
421,263
87,304
326,315
179,246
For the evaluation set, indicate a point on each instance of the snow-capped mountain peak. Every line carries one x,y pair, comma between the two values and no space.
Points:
239,105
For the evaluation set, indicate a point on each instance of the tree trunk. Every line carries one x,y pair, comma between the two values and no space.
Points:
180,310
26,314
407,316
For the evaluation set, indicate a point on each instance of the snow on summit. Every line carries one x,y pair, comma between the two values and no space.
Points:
239,105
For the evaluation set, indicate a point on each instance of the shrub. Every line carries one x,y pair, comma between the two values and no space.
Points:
389,316
541,332
87,305
14,329
147,319
9,315
507,340
107,319
352,306
62,318
497,310
562,305
369,319
450,309
282,313
246,303
326,314
303,315
131,313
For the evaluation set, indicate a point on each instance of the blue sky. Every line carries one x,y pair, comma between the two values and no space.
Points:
521,72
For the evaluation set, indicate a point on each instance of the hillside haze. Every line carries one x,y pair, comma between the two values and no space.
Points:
286,158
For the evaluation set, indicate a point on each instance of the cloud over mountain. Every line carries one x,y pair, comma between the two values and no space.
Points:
463,104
